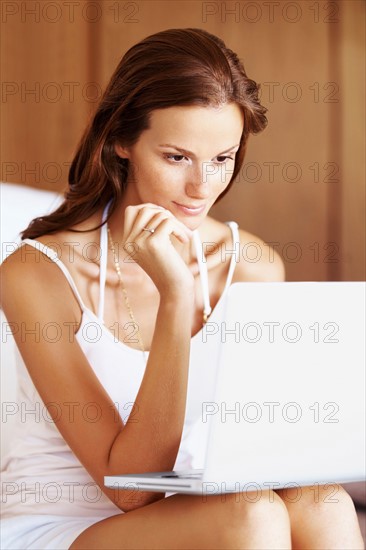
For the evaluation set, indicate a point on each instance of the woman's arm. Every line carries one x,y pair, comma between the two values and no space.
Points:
37,292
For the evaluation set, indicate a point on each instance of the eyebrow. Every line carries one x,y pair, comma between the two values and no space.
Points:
186,152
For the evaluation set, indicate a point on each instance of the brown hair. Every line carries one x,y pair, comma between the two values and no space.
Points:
173,67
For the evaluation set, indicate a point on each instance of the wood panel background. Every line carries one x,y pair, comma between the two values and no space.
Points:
302,185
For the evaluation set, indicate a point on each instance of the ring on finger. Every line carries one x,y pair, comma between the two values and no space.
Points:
147,229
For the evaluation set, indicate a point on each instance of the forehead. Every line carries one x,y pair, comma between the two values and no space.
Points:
189,126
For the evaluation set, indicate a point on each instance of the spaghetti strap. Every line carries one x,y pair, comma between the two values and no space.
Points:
202,264
235,252
52,254
103,262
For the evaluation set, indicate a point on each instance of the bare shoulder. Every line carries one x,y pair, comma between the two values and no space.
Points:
27,275
255,260
77,251
258,261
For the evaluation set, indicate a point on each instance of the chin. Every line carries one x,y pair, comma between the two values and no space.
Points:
192,223
189,216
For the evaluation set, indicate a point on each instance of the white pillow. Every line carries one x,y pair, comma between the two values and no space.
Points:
19,205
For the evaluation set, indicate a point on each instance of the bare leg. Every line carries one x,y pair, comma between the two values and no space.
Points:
322,518
195,522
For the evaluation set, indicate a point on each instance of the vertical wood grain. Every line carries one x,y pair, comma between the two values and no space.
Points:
352,141
302,185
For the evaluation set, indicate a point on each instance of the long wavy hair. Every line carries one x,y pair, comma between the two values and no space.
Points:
173,67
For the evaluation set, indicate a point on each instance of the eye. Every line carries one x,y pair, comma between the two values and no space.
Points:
225,158
177,159
170,156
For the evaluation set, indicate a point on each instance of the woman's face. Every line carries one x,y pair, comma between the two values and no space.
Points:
185,160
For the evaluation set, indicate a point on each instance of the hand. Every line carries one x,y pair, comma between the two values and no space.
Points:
155,252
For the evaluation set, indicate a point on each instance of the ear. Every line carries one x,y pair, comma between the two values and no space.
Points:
121,151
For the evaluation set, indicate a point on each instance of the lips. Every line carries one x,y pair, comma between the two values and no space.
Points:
190,209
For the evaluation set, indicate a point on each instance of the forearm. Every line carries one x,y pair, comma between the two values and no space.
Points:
151,437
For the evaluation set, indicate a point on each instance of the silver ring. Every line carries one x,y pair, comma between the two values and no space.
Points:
147,229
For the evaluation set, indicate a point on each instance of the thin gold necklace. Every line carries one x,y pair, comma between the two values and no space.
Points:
124,292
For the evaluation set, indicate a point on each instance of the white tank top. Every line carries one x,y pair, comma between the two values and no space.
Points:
41,475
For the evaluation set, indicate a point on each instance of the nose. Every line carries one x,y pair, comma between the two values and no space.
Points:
197,185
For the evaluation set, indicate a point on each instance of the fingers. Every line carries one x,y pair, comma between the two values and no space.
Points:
166,222
153,217
149,218
133,212
168,225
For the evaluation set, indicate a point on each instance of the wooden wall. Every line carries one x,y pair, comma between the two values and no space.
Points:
302,184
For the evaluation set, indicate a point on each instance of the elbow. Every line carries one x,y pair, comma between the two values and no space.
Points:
130,507
131,504
139,499
130,498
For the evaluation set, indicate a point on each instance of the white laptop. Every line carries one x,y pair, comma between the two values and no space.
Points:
289,392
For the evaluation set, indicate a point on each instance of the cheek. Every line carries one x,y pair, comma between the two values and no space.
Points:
223,178
153,181
165,178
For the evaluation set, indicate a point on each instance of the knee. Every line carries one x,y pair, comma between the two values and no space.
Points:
240,517
323,500
335,501
258,510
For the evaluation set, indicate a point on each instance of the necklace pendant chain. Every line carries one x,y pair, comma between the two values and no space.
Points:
124,292
125,295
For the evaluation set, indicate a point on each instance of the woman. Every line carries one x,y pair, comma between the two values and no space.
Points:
116,321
